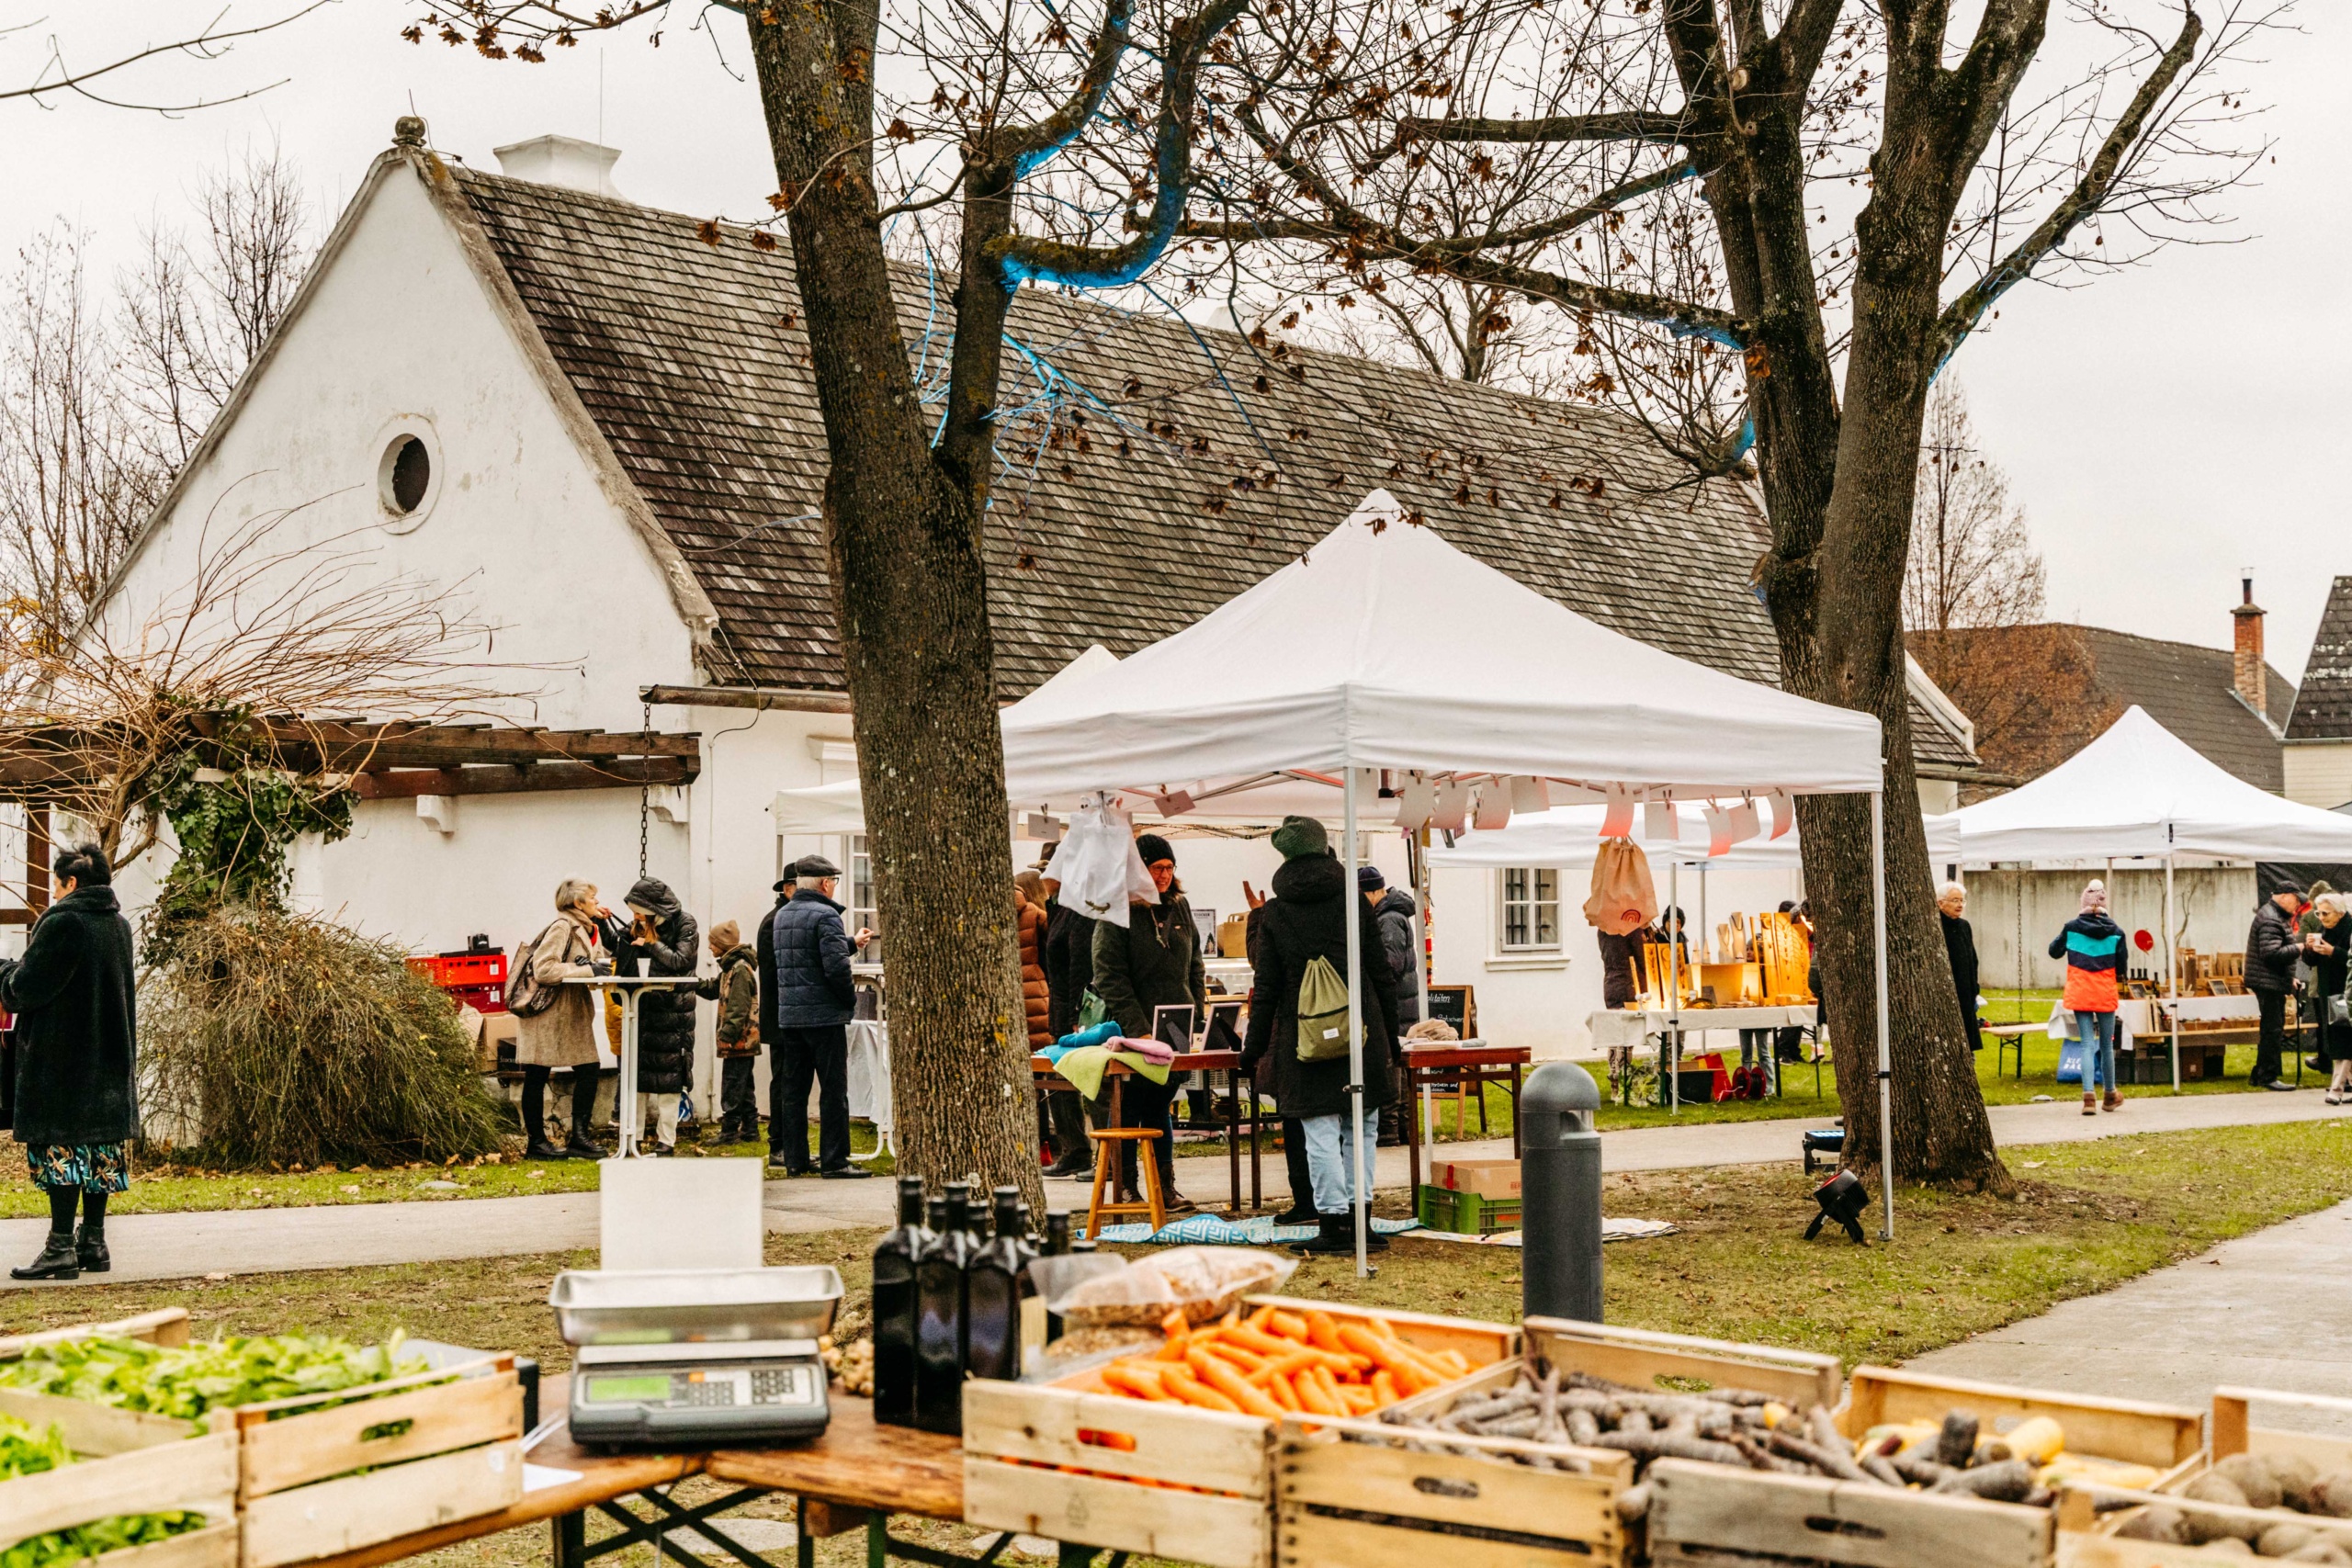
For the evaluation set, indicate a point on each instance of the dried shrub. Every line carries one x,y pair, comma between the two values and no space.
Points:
272,1039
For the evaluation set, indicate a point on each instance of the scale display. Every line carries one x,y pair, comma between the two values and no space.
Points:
707,1387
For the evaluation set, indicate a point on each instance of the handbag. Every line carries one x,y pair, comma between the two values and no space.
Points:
1090,1011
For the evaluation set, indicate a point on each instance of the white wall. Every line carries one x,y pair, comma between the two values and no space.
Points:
2217,902
2318,773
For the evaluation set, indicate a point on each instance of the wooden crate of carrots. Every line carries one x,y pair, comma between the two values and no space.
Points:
1168,1452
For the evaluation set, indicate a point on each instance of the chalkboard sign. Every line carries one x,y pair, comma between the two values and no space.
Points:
1456,1005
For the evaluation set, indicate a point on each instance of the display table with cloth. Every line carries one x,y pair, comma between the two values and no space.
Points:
1626,1029
1241,1109
1472,1063
869,1080
2141,1018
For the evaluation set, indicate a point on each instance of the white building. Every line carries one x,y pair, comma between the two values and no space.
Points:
595,422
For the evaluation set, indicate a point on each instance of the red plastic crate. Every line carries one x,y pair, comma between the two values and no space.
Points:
451,970
481,999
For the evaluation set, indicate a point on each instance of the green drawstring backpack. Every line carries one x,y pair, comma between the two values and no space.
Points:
1322,1013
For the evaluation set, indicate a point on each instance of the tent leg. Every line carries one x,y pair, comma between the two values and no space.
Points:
1672,1045
2172,976
1885,1050
1416,856
1362,1204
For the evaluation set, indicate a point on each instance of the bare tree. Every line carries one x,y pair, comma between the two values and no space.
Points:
1973,561
123,79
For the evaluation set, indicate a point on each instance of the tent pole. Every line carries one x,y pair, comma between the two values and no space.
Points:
1673,989
1416,856
2172,977
1885,1053
1362,1204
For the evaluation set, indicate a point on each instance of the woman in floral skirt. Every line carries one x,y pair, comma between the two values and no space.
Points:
75,1001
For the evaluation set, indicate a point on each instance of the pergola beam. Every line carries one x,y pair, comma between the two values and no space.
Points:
407,783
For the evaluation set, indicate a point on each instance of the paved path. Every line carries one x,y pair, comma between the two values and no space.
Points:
245,1241
2269,1310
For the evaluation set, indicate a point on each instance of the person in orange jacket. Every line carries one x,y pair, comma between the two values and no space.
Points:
2092,945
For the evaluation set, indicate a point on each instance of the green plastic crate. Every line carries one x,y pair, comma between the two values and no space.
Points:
1442,1209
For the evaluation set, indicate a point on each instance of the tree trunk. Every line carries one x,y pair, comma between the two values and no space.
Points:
911,599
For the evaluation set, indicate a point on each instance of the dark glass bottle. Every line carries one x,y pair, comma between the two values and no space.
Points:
998,1283
940,1322
894,1308
1056,1244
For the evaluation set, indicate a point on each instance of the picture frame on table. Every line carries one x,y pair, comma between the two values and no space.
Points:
1172,1025
1225,1023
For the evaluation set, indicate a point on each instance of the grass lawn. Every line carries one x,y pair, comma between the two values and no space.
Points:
2089,1216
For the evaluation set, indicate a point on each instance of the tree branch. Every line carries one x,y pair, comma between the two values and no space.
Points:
1633,125
1961,317
203,44
1030,146
1027,257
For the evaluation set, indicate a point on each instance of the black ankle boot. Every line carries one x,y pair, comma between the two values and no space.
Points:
90,1246
58,1261
1338,1235
1300,1212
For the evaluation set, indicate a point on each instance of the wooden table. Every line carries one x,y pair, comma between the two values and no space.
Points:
1041,1071
1427,1065
857,1474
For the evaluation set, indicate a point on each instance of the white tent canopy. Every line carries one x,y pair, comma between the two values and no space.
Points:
1567,838
2140,792
1386,649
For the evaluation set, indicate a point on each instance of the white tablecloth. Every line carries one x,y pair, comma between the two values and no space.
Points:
869,1075
1625,1026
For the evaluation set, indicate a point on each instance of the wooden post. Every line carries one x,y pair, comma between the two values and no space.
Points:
36,857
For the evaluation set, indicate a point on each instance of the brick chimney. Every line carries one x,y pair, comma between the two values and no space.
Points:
2253,678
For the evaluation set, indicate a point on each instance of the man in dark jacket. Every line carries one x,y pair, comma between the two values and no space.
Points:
1306,919
1959,947
74,994
764,946
1067,954
1154,963
664,939
2273,947
1392,913
815,1000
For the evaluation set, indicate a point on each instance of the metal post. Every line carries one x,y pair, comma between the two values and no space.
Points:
2172,977
1417,844
625,1106
1885,1047
1362,1207
1673,989
1560,1194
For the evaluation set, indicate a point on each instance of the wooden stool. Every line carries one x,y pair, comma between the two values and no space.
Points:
1106,1168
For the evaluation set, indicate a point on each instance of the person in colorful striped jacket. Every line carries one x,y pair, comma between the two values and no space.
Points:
2092,945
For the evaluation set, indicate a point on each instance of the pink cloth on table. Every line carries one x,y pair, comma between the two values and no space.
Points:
1150,1049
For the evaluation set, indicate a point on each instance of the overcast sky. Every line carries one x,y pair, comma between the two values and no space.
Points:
2163,428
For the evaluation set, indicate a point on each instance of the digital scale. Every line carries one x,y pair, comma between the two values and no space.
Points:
687,1357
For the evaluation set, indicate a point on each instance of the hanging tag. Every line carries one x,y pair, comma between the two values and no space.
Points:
1494,806
1784,812
1618,822
1744,823
1174,804
1718,830
1659,824
1041,826
1415,799
1527,796
1451,813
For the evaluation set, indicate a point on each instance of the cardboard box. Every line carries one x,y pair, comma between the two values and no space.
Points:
495,1029
1232,936
1481,1178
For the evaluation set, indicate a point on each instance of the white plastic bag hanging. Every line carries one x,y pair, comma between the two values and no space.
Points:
1097,862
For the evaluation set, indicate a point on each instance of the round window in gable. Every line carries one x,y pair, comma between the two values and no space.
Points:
408,472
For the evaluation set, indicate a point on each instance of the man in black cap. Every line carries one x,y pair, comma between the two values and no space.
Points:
763,943
815,1000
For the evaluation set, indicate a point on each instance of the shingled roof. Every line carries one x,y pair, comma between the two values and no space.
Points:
2323,700
1182,466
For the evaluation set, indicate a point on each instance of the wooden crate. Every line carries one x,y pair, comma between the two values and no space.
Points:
1672,1363
1814,1519
435,1452
1166,1481
2232,1432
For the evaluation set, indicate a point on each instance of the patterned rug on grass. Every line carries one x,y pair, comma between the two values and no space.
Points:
1210,1230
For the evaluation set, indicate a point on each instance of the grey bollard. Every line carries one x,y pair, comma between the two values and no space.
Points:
1560,1194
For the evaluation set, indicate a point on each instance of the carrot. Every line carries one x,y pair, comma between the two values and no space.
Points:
1117,1443
1258,1340
1282,1366
1330,1387
1258,1319
1137,1380
1248,1360
1224,1377
1321,1334
1358,1399
1384,1387
1454,1361
1175,1325
1289,1324
1313,1397
1278,1389
1179,1381
1392,1355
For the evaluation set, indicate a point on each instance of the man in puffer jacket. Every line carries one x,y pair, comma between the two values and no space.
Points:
815,1000
2273,947
2092,946
664,939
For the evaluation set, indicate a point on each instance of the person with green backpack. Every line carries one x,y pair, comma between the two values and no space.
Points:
1298,1018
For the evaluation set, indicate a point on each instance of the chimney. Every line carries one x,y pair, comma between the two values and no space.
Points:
2253,678
563,161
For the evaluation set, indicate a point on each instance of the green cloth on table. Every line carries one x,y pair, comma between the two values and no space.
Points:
1085,1066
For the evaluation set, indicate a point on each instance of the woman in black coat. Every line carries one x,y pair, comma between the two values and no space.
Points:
1306,919
74,997
663,939
1959,947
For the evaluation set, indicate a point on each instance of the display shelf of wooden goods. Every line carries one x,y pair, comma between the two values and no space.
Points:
125,1463
2092,1539
1710,1513
435,1447
1352,1495
1074,1461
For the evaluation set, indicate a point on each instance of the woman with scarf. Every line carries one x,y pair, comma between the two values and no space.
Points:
2092,946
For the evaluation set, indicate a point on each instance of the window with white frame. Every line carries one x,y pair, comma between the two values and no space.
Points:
861,900
1528,917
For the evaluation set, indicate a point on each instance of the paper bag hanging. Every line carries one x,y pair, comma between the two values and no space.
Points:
1494,806
1527,796
1744,824
1718,830
1624,899
1415,799
1617,822
1659,824
1451,813
1784,812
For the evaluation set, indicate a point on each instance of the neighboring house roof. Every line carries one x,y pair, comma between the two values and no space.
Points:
2189,689
2323,700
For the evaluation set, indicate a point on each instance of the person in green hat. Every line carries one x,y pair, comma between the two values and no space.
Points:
1306,919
